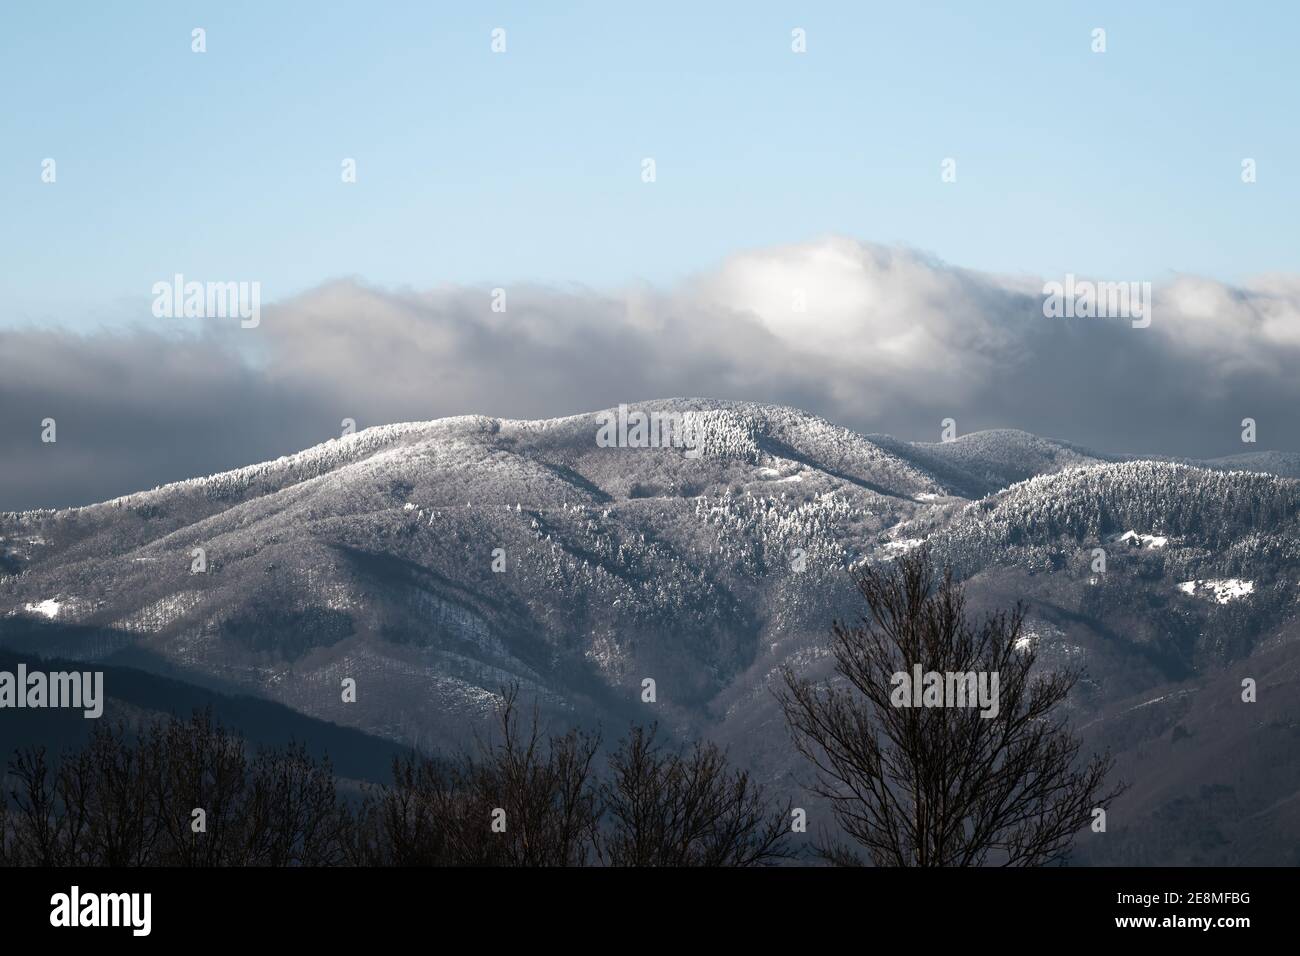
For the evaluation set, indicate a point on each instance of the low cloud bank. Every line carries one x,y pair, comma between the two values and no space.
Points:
878,338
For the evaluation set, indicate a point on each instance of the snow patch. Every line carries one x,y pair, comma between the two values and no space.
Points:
893,548
47,608
1220,590
1039,633
1133,539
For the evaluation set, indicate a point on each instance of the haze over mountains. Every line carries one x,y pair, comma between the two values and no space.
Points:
433,562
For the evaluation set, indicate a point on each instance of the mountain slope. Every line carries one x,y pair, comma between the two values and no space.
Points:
434,562
437,561
981,463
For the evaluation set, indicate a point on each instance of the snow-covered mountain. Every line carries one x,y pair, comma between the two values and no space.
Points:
433,562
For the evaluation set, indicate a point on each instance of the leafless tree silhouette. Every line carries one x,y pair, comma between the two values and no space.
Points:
540,790
202,766
666,809
127,797
544,785
654,809
942,786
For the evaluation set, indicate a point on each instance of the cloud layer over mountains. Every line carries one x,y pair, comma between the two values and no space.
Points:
878,338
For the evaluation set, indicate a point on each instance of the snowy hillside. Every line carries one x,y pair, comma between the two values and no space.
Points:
433,562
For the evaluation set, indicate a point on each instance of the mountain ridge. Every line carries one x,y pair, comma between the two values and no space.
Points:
434,563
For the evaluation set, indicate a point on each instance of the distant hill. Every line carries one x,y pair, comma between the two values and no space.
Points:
981,463
139,696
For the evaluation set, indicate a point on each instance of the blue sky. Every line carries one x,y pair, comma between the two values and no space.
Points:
490,169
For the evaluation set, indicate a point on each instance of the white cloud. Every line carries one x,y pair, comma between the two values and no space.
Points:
890,340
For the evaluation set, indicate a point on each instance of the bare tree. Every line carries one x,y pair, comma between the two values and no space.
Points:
409,821
666,809
942,785
523,798
540,790
127,797
107,785
201,766
38,832
294,817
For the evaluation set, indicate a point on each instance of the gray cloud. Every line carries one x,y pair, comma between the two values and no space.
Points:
888,340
